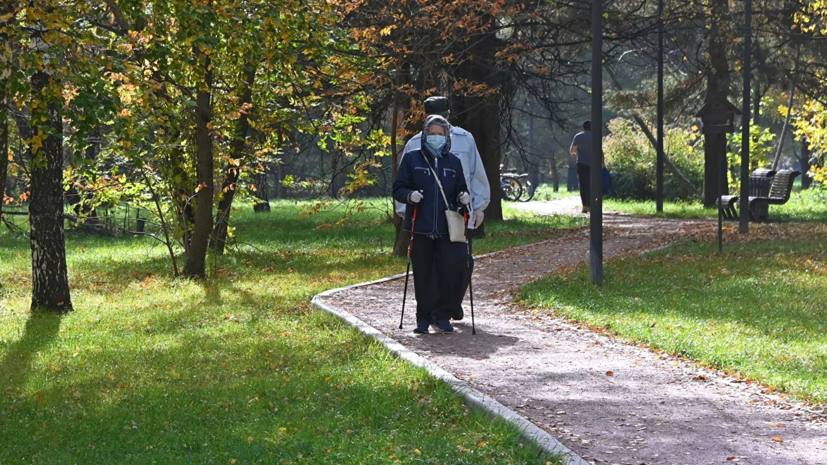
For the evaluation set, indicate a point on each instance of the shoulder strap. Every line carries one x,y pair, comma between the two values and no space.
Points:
447,205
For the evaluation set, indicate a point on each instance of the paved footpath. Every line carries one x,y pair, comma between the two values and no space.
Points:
654,409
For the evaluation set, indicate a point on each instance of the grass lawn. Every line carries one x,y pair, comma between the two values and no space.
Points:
760,309
235,369
809,206
545,191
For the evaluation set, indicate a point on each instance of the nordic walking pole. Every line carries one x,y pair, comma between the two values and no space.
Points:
470,279
408,270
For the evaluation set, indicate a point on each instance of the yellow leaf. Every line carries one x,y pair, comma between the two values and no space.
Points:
778,439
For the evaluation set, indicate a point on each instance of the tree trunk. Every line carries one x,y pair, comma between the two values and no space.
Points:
756,100
780,147
533,159
50,279
4,113
263,203
804,159
4,141
715,146
481,115
4,148
195,266
337,179
555,173
718,82
401,238
280,177
233,170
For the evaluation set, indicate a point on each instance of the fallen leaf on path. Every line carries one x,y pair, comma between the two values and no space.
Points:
609,373
778,439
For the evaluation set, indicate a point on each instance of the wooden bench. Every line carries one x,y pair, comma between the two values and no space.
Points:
759,186
779,194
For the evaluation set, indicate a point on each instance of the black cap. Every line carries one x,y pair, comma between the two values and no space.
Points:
437,106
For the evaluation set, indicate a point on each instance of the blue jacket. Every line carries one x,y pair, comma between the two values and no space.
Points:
415,175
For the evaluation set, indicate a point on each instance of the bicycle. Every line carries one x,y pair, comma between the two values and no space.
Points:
515,185
511,187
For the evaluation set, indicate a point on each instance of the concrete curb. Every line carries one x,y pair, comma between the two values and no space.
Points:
473,398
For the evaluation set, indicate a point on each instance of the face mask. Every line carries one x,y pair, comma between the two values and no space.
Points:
436,142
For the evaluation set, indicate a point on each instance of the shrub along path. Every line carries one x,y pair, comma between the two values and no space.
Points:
609,401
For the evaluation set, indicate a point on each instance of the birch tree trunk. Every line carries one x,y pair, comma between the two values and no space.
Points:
50,280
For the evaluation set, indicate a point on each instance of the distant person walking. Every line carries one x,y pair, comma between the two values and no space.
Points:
581,151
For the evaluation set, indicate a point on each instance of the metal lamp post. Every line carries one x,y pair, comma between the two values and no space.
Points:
659,169
596,200
743,224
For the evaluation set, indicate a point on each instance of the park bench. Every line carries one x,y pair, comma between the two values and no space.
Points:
782,188
759,186
766,187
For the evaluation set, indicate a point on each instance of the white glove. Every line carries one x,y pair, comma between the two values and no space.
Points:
478,217
464,198
415,197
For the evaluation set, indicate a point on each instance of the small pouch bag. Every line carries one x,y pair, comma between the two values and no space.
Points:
456,223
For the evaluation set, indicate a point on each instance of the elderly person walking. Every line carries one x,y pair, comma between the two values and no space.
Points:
464,147
423,177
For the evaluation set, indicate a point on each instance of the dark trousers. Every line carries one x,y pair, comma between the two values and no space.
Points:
584,173
571,181
438,269
466,275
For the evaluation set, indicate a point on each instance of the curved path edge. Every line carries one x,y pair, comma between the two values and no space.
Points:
473,398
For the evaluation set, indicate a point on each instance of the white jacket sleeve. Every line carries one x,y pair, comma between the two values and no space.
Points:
480,188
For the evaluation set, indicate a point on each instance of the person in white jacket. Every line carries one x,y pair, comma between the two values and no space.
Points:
464,147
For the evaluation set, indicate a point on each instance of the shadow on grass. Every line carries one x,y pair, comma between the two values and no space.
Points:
783,309
40,331
228,389
760,311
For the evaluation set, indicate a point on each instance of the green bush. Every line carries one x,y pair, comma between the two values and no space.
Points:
631,159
